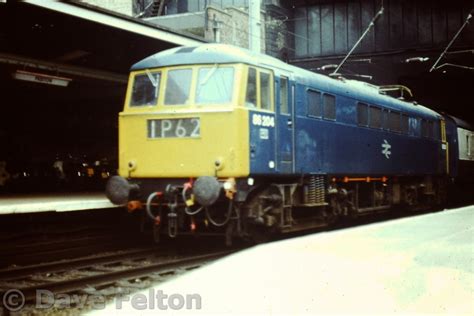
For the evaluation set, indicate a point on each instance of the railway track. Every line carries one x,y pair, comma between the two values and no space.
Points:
39,238
107,275
40,251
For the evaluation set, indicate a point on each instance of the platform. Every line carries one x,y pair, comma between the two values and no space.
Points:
418,265
59,202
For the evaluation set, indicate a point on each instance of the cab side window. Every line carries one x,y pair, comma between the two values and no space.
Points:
259,89
284,96
265,91
251,95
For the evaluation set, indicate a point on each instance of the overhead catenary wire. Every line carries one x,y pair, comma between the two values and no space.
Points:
371,24
466,22
455,66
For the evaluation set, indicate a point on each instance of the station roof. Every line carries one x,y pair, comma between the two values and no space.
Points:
63,72
81,40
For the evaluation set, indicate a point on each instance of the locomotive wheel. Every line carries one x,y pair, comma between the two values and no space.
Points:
411,196
329,211
259,234
334,212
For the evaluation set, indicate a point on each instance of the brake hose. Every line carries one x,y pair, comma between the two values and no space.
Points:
148,205
229,214
186,209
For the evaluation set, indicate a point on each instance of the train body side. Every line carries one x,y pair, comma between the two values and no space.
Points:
344,147
341,145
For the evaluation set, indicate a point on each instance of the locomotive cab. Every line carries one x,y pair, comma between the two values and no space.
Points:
193,120
186,123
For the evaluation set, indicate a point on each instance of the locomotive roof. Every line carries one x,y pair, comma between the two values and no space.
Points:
207,54
225,54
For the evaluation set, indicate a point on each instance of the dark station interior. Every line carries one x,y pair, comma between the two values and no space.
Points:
41,123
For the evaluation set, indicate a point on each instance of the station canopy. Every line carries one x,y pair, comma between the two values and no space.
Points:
72,39
63,73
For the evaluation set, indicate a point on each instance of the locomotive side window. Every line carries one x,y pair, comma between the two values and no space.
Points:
215,85
177,86
385,119
251,95
426,128
394,121
314,103
265,91
284,96
362,114
145,89
329,105
404,124
375,117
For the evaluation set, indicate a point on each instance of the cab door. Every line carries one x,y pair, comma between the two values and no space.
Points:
444,150
285,90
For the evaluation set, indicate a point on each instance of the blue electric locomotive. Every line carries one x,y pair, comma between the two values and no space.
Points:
218,139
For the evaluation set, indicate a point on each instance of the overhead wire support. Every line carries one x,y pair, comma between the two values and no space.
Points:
371,24
455,65
466,22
